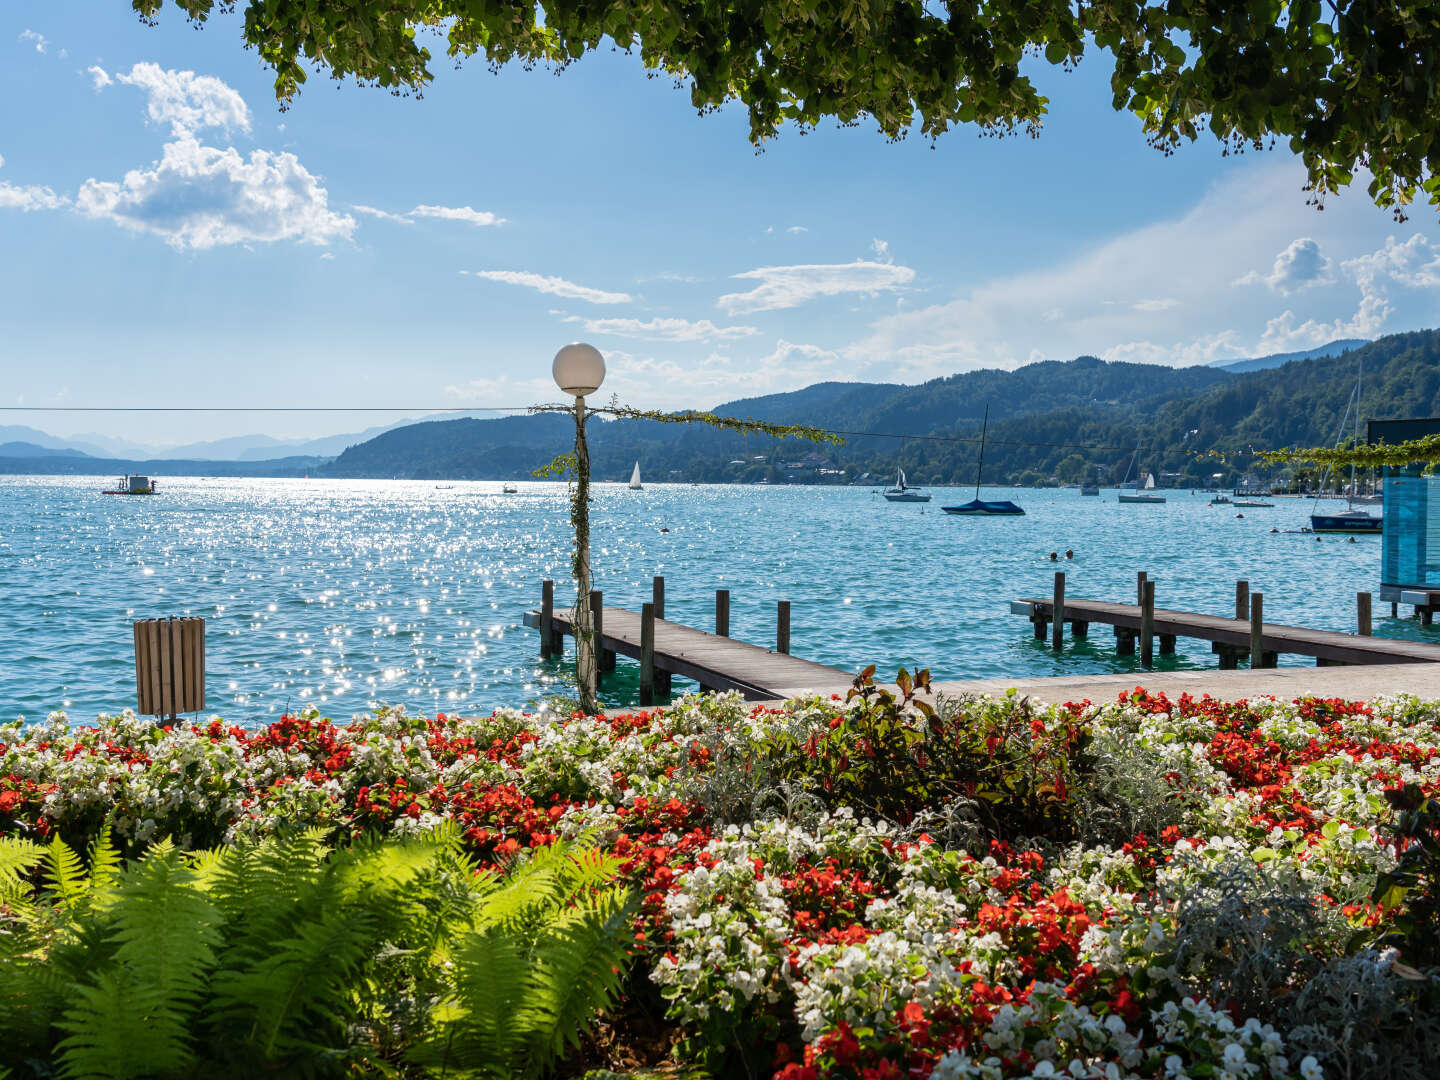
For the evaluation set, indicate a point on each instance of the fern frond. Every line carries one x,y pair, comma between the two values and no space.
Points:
105,863
164,930
18,857
64,875
475,1032
577,969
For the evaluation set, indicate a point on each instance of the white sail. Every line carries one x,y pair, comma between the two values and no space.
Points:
900,479
635,484
1149,481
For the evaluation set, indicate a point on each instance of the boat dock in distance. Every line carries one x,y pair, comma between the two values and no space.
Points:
1246,635
716,661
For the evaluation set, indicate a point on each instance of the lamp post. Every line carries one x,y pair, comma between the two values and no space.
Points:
579,369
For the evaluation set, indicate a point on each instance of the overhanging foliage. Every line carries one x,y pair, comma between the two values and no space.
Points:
1349,85
1425,450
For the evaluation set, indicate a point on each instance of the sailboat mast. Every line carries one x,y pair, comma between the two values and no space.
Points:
1359,374
980,465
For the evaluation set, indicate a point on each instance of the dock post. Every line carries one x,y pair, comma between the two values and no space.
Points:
1362,613
1057,612
782,626
722,612
1229,656
605,658
657,593
1038,622
1167,644
1242,599
1124,641
647,654
547,611
1147,622
1140,580
1258,656
1079,628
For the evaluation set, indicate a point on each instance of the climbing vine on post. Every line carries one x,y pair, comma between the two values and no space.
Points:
575,466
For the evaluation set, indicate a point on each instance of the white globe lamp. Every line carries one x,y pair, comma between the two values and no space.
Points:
579,369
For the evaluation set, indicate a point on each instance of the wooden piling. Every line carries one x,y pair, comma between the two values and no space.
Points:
1242,599
547,611
1257,630
782,626
722,612
1124,641
1057,623
647,654
1362,613
1080,628
1167,644
657,594
1140,580
604,658
1147,623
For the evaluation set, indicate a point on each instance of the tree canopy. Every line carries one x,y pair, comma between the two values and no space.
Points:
1349,85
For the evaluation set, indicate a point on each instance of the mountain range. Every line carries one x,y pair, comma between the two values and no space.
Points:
1073,420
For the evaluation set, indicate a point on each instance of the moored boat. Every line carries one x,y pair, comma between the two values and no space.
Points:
903,492
132,485
978,507
1089,489
1346,521
635,484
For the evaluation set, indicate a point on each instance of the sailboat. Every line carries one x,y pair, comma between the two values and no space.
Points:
1135,494
977,506
1348,520
635,484
903,492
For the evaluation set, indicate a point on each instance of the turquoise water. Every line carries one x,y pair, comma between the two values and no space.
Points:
347,593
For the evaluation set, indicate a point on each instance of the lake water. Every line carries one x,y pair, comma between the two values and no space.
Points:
348,593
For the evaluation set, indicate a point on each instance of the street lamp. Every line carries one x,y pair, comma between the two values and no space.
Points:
579,369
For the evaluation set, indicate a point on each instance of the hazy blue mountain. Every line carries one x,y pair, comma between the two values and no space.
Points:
1274,360
34,450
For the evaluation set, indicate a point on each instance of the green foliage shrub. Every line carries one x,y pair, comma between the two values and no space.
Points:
286,957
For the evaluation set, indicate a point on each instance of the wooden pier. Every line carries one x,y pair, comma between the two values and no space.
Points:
1246,635
715,660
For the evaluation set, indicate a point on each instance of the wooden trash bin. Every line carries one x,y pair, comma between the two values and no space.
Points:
170,666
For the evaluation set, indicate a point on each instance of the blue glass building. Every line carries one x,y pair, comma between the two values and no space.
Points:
1410,552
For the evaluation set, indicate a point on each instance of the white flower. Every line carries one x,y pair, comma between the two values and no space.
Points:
1310,1068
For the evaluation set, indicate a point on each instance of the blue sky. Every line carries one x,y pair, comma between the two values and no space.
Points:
168,236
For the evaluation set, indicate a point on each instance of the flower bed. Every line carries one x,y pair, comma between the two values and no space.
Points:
861,889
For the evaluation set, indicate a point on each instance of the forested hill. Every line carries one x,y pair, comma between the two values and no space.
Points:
1065,420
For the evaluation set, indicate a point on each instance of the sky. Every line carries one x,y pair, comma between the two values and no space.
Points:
170,237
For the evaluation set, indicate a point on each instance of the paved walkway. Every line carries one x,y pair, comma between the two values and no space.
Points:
1360,681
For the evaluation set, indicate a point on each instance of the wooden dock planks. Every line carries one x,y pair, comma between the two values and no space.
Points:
1329,646
713,660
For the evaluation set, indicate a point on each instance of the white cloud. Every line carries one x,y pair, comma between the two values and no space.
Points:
200,197
796,230
29,198
467,214
554,286
99,77
325,256
39,39
383,215
2,161
1164,304
189,103
662,329
1285,333
1299,266
1414,264
881,248
790,286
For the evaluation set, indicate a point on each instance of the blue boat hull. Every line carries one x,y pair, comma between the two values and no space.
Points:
1345,523
979,507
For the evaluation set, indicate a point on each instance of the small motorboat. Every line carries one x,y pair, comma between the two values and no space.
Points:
1252,502
903,492
1089,489
132,485
1221,500
508,489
